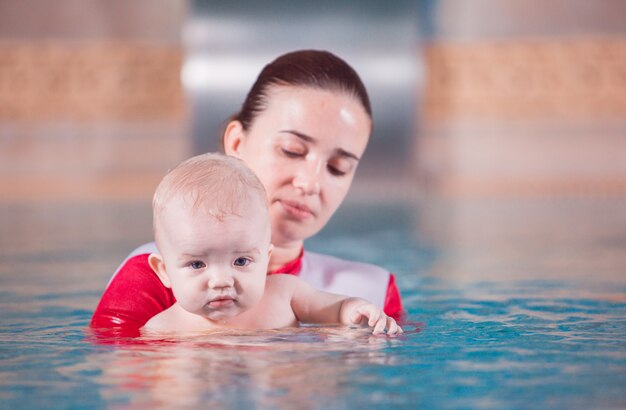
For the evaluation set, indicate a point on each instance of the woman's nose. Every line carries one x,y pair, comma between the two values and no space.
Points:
308,177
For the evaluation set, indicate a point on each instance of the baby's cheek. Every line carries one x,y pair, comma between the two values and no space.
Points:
200,285
191,294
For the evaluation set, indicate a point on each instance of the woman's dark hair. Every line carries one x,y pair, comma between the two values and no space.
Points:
304,68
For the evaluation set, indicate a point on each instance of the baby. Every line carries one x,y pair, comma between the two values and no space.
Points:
212,230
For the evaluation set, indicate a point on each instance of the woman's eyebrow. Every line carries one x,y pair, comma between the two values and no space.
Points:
300,135
348,154
310,139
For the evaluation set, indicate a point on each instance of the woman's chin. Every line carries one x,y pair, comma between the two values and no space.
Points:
288,234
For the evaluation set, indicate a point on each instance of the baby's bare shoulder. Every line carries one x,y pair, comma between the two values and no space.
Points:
282,283
164,320
158,322
283,279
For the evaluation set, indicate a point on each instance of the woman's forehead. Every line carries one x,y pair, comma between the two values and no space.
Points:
279,93
297,105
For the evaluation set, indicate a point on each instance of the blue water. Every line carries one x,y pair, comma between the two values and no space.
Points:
509,306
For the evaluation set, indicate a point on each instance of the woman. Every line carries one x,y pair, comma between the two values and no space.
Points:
302,129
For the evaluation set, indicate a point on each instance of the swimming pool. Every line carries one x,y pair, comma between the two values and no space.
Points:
510,305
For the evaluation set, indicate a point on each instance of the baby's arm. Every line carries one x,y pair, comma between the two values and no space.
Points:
314,306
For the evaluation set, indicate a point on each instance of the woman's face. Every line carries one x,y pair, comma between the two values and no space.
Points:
305,147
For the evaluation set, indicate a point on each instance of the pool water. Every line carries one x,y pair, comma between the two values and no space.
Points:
509,305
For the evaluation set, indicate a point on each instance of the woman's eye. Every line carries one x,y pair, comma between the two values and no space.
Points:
336,171
290,153
196,265
241,261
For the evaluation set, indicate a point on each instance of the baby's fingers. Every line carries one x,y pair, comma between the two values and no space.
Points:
393,329
380,326
388,323
357,318
366,311
375,317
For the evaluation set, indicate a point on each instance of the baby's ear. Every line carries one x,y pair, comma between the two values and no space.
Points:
232,138
158,266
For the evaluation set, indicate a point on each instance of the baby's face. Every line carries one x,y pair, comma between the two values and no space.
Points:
217,268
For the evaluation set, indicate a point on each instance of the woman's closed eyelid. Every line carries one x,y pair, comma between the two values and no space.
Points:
336,166
336,171
293,147
340,167
291,153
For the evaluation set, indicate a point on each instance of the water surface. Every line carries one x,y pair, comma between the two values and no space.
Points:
508,305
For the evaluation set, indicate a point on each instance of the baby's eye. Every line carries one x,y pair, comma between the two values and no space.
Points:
242,261
196,265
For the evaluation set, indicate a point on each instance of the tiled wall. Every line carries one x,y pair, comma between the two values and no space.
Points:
542,79
91,103
94,81
523,98
524,117
88,121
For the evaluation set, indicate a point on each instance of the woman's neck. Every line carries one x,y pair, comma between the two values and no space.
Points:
283,254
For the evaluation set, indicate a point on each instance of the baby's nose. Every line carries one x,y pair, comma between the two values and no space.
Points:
220,279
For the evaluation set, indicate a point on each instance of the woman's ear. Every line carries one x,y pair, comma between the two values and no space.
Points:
233,134
158,266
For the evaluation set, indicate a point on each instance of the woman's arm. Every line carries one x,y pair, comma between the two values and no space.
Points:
134,295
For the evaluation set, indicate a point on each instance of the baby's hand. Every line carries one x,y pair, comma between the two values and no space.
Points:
376,318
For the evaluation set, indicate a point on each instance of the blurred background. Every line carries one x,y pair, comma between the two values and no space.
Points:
499,126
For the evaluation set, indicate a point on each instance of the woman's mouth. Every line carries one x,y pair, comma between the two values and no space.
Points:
297,210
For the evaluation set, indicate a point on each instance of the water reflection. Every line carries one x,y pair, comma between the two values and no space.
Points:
300,368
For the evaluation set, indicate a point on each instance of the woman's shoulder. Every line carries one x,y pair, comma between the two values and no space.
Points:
328,263
133,295
345,277
133,260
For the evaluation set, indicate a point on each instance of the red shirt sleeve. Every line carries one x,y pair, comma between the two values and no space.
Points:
134,296
393,302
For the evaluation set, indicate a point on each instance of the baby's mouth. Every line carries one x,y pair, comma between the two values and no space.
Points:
221,302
